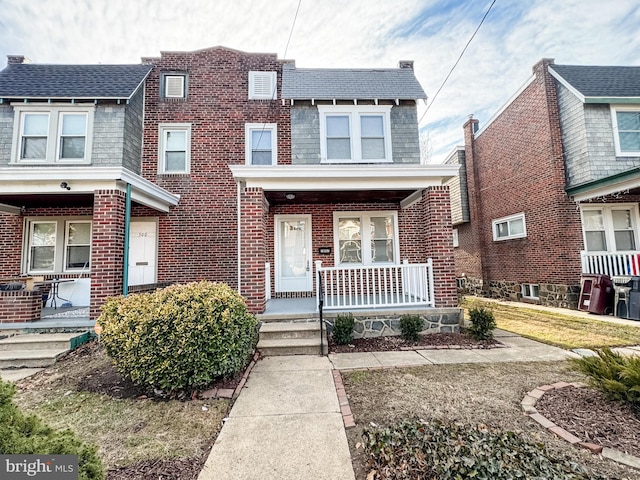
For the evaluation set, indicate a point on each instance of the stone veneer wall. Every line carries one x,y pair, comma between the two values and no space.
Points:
378,324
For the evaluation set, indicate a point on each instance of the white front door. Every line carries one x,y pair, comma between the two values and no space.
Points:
294,272
143,247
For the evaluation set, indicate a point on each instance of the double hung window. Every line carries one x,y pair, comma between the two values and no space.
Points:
261,144
174,153
610,227
58,245
626,127
366,238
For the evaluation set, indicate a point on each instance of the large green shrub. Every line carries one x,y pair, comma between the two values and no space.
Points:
343,329
180,338
451,451
410,327
482,323
26,435
617,376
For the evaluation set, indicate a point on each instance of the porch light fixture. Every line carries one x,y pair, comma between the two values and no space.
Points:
65,186
290,196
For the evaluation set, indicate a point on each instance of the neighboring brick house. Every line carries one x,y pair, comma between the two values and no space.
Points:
253,171
549,187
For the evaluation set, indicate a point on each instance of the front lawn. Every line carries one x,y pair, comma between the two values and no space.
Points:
564,331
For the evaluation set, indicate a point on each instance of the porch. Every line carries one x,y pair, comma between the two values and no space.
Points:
613,264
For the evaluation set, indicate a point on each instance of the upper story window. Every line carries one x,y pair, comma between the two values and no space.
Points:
610,228
626,127
58,245
366,238
174,148
510,227
173,85
355,133
262,85
261,144
52,134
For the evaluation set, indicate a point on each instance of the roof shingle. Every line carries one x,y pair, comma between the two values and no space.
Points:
45,81
601,81
349,84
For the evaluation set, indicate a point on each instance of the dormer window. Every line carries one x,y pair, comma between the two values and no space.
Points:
262,86
174,85
626,127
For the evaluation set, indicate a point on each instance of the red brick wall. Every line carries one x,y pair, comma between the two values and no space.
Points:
10,245
254,245
20,306
107,247
515,165
197,239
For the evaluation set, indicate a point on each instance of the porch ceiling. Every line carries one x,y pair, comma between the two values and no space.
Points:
28,200
337,196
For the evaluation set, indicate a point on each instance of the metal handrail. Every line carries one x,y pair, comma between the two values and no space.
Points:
320,305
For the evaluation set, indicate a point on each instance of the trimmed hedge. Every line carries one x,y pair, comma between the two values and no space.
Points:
410,327
26,435
452,451
179,338
343,329
483,323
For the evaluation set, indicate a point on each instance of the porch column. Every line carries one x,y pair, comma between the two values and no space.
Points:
439,244
11,244
107,247
253,247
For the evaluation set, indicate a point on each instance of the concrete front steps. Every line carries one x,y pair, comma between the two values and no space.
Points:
300,337
37,350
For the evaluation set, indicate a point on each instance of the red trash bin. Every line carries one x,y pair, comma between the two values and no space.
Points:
596,294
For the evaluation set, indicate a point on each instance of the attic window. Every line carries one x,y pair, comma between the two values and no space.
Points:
262,86
174,85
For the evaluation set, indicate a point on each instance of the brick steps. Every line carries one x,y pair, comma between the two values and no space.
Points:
290,338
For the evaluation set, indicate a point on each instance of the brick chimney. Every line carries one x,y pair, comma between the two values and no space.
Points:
405,64
16,59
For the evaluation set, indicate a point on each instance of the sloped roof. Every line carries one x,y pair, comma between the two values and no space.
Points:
601,81
349,84
44,81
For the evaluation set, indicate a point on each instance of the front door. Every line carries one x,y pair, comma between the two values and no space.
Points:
143,245
294,272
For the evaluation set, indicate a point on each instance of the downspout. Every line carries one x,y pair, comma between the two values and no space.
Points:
127,225
239,199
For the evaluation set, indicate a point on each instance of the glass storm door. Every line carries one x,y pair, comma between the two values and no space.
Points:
294,269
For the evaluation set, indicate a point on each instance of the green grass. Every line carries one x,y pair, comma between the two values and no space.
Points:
564,331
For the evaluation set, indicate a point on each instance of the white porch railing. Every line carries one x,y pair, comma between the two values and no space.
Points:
611,263
375,286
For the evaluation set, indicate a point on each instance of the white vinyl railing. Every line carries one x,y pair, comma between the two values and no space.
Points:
375,286
611,263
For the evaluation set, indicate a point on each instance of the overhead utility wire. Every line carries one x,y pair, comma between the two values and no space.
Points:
457,61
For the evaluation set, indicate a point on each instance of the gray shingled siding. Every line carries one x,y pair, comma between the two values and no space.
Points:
305,135
458,192
132,155
108,135
405,143
6,134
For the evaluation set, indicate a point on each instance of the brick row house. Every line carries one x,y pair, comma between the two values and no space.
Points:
549,188
286,183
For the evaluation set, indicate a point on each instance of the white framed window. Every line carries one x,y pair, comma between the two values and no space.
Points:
173,85
610,228
530,291
60,244
456,241
261,143
366,238
355,133
262,85
626,128
174,148
510,227
52,134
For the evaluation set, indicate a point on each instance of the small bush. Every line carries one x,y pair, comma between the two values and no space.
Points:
180,338
617,376
447,451
482,323
27,435
343,329
410,327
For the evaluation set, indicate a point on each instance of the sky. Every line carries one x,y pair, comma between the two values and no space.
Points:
346,34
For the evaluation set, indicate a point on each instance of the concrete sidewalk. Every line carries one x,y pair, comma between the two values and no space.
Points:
285,425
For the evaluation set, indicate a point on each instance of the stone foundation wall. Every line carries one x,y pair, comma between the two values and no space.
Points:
367,325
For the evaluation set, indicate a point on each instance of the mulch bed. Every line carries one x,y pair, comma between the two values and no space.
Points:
432,340
171,469
589,415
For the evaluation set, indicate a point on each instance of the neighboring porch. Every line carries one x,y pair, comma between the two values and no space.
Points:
614,264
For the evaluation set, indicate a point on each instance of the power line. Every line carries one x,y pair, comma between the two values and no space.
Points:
295,17
457,61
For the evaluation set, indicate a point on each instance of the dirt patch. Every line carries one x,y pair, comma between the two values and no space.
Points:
432,340
173,469
470,393
589,415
